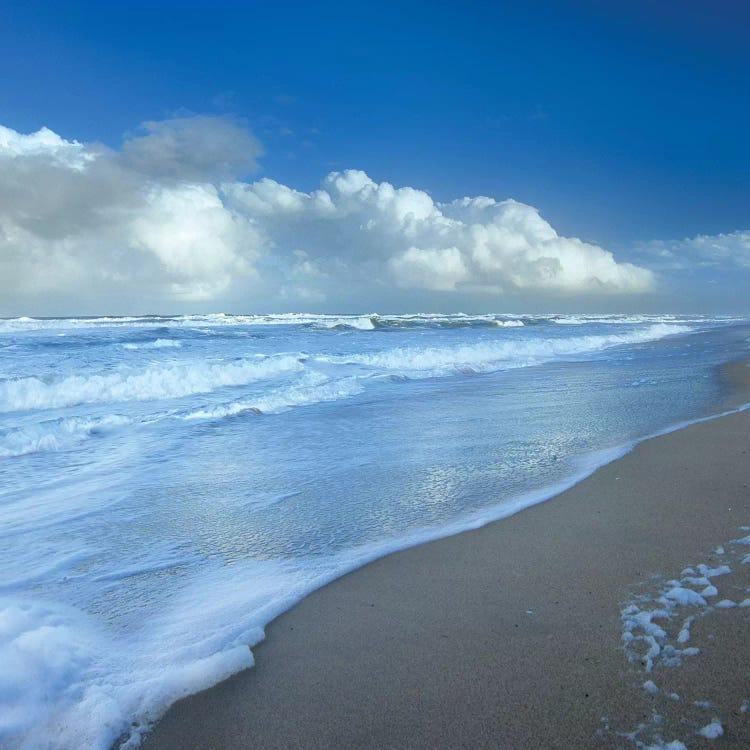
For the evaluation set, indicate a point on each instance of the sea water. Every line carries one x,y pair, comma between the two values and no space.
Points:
170,484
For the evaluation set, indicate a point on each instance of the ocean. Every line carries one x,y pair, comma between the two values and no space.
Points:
170,484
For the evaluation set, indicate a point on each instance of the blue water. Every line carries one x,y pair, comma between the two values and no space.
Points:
169,484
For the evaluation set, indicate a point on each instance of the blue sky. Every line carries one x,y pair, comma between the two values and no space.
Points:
621,122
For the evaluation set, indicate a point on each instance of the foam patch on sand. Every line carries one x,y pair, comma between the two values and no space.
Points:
656,639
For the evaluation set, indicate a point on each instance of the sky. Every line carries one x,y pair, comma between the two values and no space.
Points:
339,157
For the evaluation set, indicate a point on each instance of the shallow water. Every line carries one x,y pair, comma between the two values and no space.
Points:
169,484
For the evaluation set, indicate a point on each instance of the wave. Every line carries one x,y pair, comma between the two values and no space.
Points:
619,319
64,433
314,389
24,324
496,355
157,344
367,322
54,435
362,323
178,380
151,384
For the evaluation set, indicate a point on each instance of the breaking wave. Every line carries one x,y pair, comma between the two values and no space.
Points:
368,322
157,344
177,380
364,323
313,389
55,434
151,384
489,356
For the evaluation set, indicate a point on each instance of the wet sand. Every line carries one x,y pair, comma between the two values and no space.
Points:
510,636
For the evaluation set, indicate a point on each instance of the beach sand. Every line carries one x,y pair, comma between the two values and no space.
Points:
510,636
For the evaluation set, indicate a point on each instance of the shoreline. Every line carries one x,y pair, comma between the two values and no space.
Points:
483,639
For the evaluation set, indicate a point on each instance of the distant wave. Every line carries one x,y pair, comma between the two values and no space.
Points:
362,323
157,344
488,356
368,322
177,380
577,320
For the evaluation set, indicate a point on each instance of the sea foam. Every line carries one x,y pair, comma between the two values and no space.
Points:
57,434
153,383
491,356
159,504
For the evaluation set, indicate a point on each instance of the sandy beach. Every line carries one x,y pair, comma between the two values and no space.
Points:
510,636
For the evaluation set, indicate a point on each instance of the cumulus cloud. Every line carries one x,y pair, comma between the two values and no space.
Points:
720,251
45,144
83,222
416,267
194,238
193,148
402,234
165,221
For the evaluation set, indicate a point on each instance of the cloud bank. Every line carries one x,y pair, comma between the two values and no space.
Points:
166,222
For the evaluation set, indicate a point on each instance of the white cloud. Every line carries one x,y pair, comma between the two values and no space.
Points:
45,144
196,240
440,270
164,222
403,235
193,148
731,250
85,226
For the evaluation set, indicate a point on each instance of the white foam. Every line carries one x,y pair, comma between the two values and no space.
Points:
67,683
153,383
619,319
685,597
725,604
312,388
684,635
47,651
650,646
215,320
58,434
157,344
497,355
26,324
709,572
363,323
696,580
707,705
712,731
